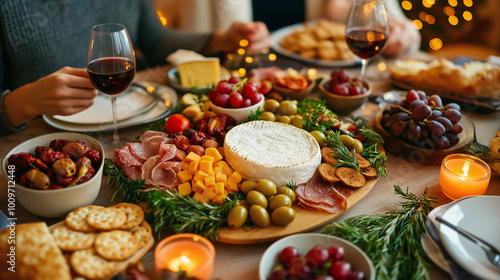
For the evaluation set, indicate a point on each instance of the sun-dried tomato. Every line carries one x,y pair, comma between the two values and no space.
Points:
198,138
228,119
216,125
22,160
58,144
181,142
90,173
39,150
51,156
54,186
94,156
202,125
220,138
23,180
64,181
82,142
41,165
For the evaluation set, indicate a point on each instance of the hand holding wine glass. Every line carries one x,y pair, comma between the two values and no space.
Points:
111,66
367,29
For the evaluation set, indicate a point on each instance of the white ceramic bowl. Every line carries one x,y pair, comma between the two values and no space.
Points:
239,114
305,242
56,203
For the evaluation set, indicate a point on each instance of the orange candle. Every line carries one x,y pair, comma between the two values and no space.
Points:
463,175
191,253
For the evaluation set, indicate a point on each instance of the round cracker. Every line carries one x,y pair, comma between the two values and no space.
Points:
135,215
71,240
116,245
143,233
90,265
107,218
77,219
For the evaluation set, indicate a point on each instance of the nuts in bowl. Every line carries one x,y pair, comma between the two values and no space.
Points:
55,173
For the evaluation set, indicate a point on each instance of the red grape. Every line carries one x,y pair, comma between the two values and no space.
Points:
340,270
255,99
436,114
246,103
452,106
453,115
421,95
357,275
340,89
212,94
436,128
435,100
456,128
414,132
412,95
318,256
233,80
398,128
288,253
324,277
354,90
300,270
222,100
421,112
415,104
278,275
249,90
224,87
235,100
442,142
454,138
401,116
445,122
342,76
336,253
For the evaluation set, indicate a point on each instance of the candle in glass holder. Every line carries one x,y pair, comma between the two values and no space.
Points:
191,253
463,175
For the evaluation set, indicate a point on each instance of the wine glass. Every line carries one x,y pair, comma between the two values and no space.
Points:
111,67
367,29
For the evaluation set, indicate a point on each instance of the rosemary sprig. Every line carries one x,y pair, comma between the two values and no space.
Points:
370,136
342,154
255,115
376,159
313,113
170,210
291,185
391,240
130,190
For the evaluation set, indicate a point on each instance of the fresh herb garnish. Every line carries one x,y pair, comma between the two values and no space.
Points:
170,210
315,115
201,93
255,115
291,185
391,240
130,190
376,159
341,153
370,136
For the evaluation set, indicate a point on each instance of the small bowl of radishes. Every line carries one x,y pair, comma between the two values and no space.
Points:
343,93
236,98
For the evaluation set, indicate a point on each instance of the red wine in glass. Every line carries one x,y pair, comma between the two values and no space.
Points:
365,43
111,75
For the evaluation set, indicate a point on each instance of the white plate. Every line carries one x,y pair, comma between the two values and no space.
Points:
161,109
173,78
130,103
433,252
305,242
277,35
479,216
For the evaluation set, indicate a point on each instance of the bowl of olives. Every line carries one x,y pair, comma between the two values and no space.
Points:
315,256
55,173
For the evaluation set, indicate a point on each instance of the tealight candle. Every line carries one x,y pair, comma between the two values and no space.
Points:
463,175
191,253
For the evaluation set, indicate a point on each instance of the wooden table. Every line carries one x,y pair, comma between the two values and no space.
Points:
241,261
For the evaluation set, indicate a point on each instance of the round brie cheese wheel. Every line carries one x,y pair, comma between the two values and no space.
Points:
275,151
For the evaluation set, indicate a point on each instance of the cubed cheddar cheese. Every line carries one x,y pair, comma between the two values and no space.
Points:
198,196
235,178
214,153
218,170
209,194
219,198
219,188
184,189
184,165
225,168
206,166
184,176
208,158
200,175
193,167
199,187
220,177
192,157
209,182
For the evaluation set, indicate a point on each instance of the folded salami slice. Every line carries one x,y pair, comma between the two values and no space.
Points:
320,195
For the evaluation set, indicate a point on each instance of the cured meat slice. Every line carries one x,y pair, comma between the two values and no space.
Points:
151,133
137,150
124,158
343,190
147,168
321,195
152,145
134,172
167,151
180,155
163,174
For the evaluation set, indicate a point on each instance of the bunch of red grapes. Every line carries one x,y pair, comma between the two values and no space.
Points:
235,93
424,121
342,84
318,264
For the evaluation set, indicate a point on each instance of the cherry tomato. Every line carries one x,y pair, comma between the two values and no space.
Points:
176,124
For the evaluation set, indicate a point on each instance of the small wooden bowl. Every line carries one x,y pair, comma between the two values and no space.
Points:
294,94
343,105
419,155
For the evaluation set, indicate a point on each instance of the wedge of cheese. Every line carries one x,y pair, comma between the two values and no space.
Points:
270,150
200,73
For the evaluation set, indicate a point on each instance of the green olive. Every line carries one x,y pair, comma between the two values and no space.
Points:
271,105
247,186
358,146
287,107
269,198
237,216
297,121
256,198
287,191
319,136
280,200
268,116
347,140
259,216
266,187
243,203
283,215
284,119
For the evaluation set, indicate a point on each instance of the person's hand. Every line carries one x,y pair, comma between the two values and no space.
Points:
228,40
402,36
64,92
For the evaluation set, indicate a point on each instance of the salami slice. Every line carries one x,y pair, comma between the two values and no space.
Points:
321,195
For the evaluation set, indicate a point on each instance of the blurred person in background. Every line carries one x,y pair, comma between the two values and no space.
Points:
44,45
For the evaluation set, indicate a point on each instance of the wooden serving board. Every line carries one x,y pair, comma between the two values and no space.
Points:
418,155
123,264
305,220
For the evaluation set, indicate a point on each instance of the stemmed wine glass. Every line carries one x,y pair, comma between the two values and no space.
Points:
367,29
111,67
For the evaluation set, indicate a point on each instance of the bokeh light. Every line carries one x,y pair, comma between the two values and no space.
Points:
406,5
453,20
436,44
468,3
422,15
449,11
418,24
162,18
428,3
453,3
467,15
272,57
243,43
249,59
241,51
430,19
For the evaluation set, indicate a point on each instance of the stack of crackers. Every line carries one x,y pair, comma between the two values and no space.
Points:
95,241
323,39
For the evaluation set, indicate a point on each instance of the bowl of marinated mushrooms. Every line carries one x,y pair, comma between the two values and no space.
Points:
55,173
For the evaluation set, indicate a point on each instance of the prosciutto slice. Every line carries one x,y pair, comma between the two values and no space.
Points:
163,174
167,151
137,149
320,195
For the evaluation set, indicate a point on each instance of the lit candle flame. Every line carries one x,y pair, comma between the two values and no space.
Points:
465,169
181,263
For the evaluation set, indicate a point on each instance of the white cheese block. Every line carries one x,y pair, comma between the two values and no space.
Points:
275,151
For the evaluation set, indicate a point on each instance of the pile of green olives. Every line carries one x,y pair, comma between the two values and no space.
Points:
283,112
348,141
262,198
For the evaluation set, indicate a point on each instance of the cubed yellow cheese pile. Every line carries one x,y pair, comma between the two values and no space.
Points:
208,176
